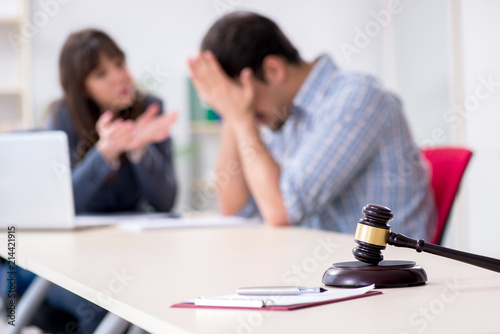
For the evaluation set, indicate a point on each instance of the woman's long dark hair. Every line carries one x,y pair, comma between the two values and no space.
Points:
79,57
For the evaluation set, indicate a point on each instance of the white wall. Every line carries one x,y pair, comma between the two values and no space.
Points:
481,120
422,64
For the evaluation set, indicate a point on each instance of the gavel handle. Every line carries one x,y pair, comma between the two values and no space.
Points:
400,240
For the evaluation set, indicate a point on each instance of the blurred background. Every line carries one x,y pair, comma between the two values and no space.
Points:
440,56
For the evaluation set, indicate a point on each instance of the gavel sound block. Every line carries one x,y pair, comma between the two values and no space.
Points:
373,233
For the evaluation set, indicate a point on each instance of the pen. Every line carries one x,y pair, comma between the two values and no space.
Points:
278,290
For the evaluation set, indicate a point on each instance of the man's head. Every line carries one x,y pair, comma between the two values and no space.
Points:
247,40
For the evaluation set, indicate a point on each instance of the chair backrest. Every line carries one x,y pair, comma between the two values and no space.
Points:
448,166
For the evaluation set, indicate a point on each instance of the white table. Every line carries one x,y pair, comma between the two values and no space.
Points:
138,276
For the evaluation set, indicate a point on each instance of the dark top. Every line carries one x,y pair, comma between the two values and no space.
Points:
99,189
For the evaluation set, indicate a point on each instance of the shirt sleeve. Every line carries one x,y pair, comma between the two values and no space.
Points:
87,175
156,176
332,155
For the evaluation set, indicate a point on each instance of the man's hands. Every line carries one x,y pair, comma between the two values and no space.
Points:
118,136
230,99
234,100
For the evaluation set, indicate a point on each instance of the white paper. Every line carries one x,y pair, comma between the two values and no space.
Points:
167,223
120,218
236,300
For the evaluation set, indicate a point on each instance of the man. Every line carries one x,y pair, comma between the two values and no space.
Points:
333,141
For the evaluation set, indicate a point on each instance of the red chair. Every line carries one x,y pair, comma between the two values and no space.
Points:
448,166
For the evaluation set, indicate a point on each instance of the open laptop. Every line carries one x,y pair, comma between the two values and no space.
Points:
35,181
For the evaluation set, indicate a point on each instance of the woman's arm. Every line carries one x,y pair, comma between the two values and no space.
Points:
153,167
155,175
87,175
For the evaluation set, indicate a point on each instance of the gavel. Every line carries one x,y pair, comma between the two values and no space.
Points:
373,233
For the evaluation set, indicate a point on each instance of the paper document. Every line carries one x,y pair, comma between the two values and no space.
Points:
166,223
283,300
89,220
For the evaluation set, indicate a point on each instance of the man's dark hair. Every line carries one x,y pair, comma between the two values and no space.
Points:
244,39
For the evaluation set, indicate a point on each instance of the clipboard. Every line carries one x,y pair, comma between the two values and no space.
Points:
264,307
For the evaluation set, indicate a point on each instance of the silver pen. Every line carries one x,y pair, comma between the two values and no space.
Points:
278,290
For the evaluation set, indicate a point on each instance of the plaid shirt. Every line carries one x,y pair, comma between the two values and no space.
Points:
345,144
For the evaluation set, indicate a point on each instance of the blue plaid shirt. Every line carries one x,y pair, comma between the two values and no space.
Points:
345,144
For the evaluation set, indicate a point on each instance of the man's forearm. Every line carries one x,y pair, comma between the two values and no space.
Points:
231,185
262,173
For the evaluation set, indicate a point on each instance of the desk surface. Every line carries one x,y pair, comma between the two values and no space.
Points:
139,275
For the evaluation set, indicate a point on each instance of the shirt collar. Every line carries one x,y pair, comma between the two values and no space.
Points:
313,85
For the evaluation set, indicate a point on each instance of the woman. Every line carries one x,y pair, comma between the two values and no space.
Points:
121,153
121,150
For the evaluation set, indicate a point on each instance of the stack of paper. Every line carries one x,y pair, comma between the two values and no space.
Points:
166,223
89,220
286,302
152,221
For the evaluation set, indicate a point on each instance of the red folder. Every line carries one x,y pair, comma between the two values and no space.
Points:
279,308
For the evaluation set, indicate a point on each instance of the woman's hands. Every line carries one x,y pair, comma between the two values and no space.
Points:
151,128
119,136
114,136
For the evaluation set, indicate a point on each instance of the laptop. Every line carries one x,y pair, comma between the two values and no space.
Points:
35,181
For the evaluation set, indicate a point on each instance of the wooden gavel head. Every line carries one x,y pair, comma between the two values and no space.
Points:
372,233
